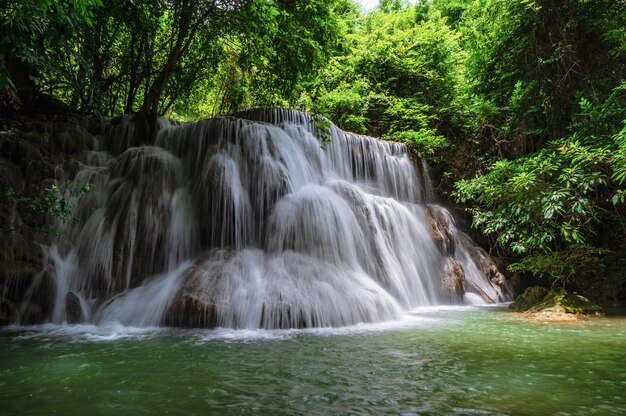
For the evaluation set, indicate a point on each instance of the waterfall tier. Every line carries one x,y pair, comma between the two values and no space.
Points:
247,222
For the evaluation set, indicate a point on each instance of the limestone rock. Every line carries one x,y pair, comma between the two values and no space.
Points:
31,314
71,141
191,311
73,309
441,228
453,279
8,312
34,151
485,264
536,299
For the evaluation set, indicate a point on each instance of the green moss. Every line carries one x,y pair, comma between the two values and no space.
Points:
536,299
532,296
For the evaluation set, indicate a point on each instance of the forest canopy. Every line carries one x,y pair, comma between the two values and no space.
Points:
519,105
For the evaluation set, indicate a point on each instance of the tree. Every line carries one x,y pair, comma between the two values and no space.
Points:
27,25
396,80
530,62
143,56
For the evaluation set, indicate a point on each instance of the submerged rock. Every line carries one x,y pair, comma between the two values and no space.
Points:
538,299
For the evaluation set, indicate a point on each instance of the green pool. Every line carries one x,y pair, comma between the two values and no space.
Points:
446,361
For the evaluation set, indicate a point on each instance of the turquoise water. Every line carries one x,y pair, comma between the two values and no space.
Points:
455,361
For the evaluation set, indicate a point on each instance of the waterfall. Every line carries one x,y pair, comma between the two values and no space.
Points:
247,222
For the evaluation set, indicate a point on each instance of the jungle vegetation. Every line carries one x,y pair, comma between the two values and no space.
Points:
520,105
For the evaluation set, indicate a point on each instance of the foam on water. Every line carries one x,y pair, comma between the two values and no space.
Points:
227,334
109,332
115,331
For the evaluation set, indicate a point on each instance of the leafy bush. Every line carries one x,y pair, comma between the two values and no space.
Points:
35,210
579,262
537,201
425,142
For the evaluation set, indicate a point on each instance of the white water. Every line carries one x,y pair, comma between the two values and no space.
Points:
248,223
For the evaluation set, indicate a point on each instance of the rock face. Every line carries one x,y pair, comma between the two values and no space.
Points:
8,313
441,228
538,299
34,151
467,267
453,280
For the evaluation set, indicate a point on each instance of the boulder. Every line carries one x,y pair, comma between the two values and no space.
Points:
453,279
441,228
73,310
485,264
30,314
188,310
559,300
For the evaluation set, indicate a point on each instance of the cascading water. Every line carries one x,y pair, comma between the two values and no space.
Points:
246,222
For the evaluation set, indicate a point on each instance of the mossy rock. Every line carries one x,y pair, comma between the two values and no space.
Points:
535,299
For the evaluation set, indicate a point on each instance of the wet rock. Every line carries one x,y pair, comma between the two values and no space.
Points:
494,276
20,255
28,165
453,279
19,149
8,312
138,206
11,175
73,309
191,311
485,264
30,314
195,303
539,299
36,126
41,291
441,228
70,141
474,288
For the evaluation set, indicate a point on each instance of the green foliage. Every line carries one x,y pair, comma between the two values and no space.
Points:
27,25
51,203
560,194
530,61
562,267
396,80
34,15
524,97
543,95
537,201
195,58
323,129
425,142
619,163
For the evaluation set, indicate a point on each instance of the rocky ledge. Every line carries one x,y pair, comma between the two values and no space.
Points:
554,304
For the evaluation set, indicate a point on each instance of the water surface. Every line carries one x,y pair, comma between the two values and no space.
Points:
439,361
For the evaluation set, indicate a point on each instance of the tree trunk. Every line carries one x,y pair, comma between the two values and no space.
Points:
183,39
